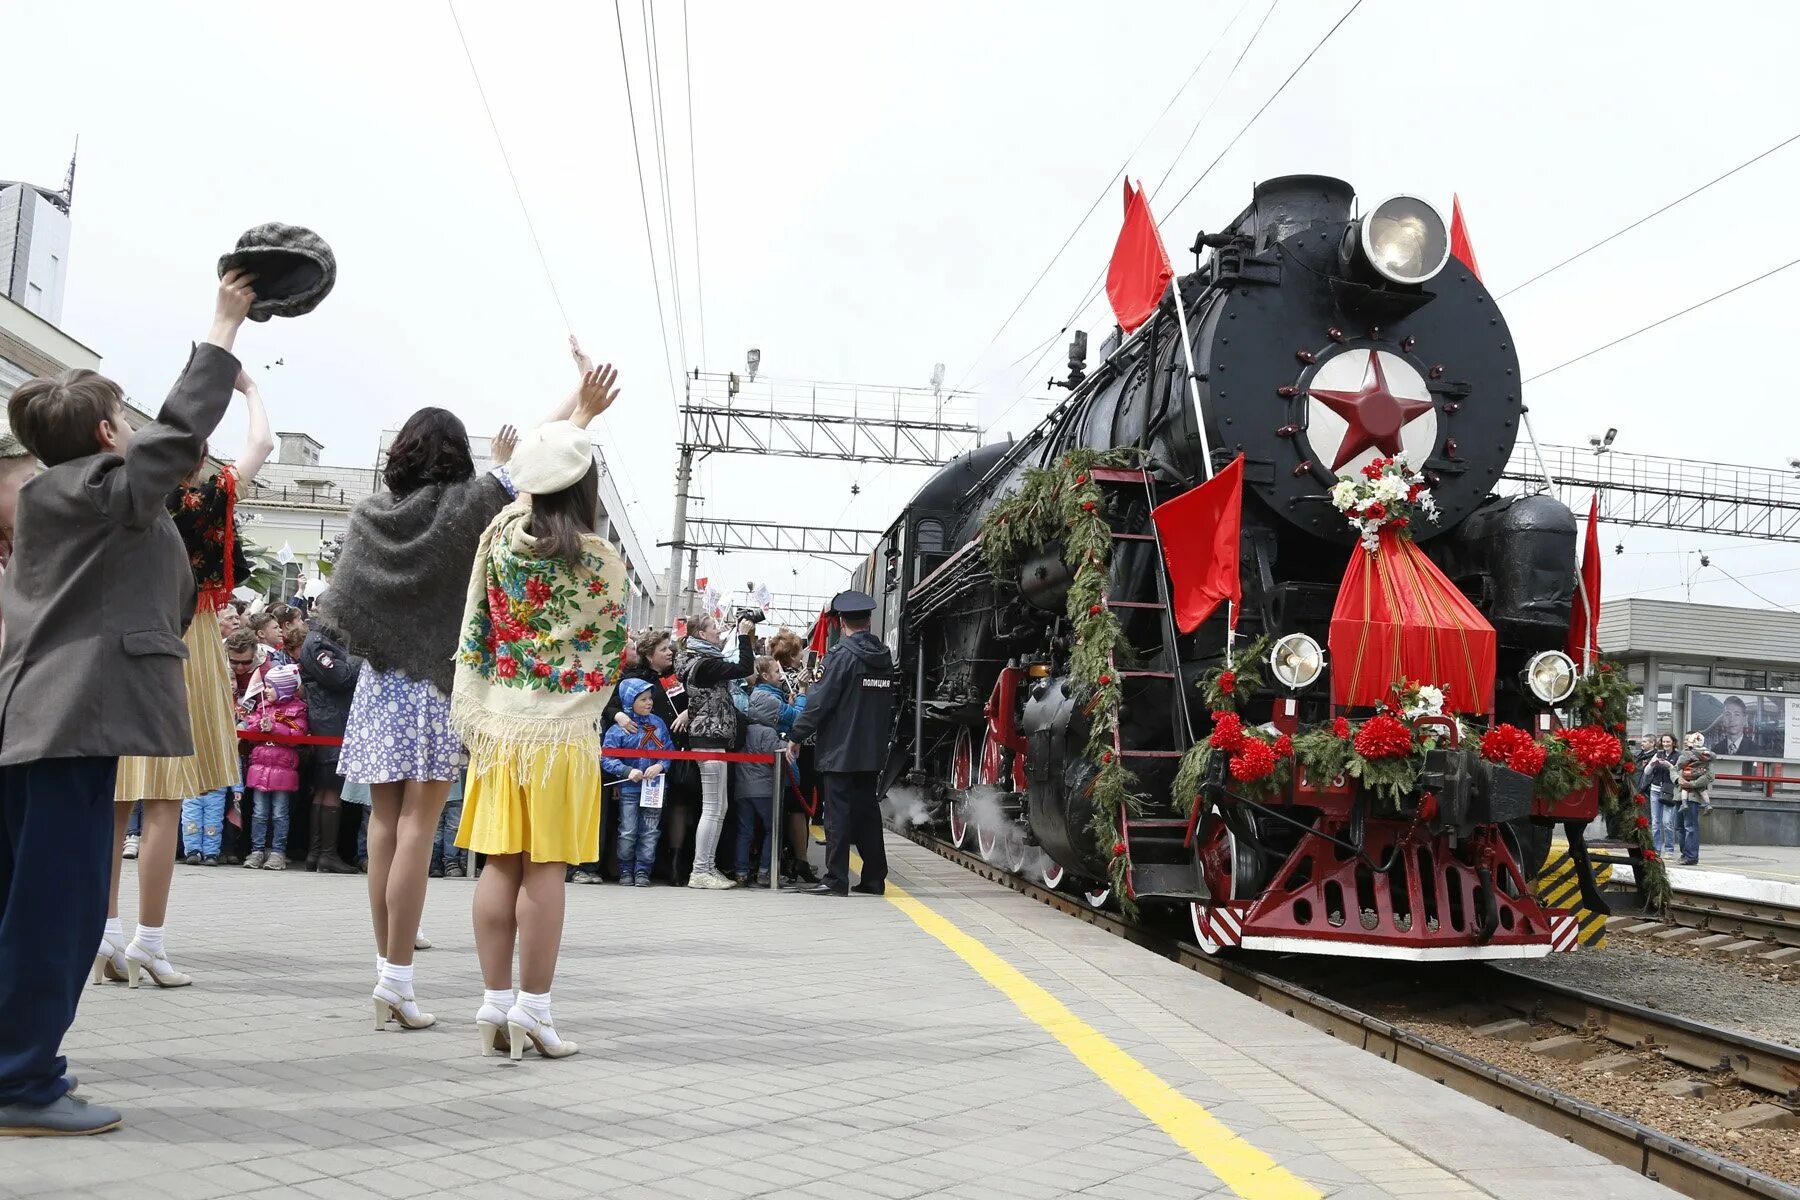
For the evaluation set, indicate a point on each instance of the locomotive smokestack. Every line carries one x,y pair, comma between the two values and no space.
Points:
1285,205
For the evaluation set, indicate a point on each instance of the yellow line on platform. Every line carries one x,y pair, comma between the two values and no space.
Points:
1249,1172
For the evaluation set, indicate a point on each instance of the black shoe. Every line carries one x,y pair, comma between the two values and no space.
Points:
436,872
822,889
868,889
805,871
70,1116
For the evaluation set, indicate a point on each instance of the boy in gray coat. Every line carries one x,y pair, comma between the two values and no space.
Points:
99,588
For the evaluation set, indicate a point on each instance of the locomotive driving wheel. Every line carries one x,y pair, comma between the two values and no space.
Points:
1052,873
962,764
1096,896
1002,843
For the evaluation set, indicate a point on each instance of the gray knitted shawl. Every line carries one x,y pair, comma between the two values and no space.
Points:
398,586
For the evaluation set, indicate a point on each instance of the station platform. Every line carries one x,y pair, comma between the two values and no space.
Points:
952,1039
1766,874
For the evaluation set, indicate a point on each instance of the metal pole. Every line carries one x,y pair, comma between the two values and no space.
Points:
684,471
689,596
776,834
1543,468
1187,349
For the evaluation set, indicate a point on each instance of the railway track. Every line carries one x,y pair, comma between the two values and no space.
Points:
1778,924
1686,1168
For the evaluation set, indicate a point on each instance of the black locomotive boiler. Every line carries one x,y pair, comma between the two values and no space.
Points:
1299,303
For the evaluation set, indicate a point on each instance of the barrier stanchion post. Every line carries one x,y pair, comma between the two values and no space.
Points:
775,830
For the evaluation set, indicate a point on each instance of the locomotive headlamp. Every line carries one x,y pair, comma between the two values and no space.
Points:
1551,676
1296,660
1405,240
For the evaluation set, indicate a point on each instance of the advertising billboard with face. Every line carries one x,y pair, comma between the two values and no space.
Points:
1758,726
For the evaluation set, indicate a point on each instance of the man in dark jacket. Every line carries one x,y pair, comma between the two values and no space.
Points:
330,673
851,709
97,596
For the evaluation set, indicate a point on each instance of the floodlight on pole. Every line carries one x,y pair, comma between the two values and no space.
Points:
752,361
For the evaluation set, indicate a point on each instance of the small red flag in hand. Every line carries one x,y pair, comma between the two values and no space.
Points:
1461,248
1199,531
821,633
1140,272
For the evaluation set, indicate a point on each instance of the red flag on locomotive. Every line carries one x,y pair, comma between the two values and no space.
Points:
1139,273
1461,248
1199,531
1584,616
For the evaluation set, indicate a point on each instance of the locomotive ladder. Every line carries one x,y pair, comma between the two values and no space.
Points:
1162,863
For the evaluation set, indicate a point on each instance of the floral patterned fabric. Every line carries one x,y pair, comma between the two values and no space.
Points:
205,515
398,729
543,643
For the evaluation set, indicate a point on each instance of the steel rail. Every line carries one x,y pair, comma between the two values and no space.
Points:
1676,1164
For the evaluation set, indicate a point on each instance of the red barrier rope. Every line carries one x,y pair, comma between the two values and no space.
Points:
305,739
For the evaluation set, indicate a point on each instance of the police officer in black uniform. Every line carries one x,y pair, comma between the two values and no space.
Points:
851,709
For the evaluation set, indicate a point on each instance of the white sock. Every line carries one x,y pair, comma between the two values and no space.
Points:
398,978
115,933
380,966
536,1003
500,998
150,937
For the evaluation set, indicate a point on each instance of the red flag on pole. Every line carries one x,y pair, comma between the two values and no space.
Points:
1461,248
1140,272
1199,534
1584,617
821,633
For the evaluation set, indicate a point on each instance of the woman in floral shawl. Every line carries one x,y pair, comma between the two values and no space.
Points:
543,645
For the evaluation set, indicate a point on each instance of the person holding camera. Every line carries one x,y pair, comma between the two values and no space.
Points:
706,676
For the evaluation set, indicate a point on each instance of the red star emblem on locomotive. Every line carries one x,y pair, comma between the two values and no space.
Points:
1375,415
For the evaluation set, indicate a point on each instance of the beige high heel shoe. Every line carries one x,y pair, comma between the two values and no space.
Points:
521,1027
139,961
490,1021
110,965
391,1005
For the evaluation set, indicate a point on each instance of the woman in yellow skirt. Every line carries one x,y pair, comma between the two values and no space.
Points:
205,512
543,645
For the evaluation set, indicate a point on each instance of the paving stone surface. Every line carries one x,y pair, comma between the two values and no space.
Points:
736,1044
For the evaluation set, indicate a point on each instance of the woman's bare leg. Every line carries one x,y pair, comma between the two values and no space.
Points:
410,864
121,823
156,859
384,824
540,924
496,920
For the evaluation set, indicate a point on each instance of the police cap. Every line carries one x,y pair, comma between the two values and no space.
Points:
852,604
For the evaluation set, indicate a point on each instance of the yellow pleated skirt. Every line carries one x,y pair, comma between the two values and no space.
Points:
214,762
543,802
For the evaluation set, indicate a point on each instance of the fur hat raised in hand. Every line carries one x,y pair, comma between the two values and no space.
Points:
550,458
294,269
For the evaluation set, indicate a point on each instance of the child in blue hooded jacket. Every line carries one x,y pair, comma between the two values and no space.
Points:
639,826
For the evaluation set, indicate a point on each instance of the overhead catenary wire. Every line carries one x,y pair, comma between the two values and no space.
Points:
1661,321
653,53
618,468
637,159
1677,202
1094,289
687,69
1106,190
1751,590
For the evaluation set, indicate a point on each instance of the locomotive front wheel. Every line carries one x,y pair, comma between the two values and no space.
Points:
1096,897
1204,921
1006,853
962,774
1052,873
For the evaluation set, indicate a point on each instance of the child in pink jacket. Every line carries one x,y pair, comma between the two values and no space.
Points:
274,774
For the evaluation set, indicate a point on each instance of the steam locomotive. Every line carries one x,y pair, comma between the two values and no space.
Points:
1298,295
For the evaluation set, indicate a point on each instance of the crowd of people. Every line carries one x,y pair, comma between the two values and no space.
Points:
442,710
1677,780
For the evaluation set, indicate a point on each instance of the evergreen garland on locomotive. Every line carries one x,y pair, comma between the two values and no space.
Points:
1323,341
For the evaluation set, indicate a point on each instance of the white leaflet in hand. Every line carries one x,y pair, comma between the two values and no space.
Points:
651,794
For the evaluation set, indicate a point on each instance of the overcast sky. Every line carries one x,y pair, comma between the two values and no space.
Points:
878,186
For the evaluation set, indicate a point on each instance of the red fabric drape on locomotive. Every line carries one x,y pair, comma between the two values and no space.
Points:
1400,618
206,517
1584,625
1200,530
1139,273
1461,248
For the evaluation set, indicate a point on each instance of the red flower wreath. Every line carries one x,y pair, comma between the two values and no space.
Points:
1228,732
1594,748
1528,759
1119,849
1340,727
1284,746
1502,742
1642,821
1228,682
1383,736
1650,855
1254,760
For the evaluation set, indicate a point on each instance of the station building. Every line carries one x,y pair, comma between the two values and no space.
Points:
1733,674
